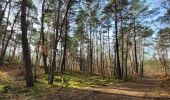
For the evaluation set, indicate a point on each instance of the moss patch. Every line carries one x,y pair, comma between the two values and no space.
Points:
3,88
77,80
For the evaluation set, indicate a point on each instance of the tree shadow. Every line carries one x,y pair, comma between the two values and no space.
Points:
77,94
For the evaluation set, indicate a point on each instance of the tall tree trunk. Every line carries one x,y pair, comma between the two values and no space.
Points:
91,50
135,47
81,51
101,54
103,62
126,56
110,60
63,63
66,22
25,47
118,69
97,53
133,60
53,67
43,38
142,61
121,26
114,69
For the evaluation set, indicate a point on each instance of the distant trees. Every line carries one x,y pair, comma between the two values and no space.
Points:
163,38
5,44
64,27
90,36
5,30
163,44
80,35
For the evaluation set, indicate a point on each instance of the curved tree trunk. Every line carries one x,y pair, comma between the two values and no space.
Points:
8,39
3,12
4,37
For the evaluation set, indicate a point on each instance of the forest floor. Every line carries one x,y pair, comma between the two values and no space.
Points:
80,87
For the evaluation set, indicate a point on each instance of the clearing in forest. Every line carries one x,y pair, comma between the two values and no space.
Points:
81,87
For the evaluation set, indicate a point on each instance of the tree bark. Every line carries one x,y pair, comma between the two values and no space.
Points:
91,50
101,54
25,47
81,51
142,62
43,38
118,69
126,57
135,47
121,26
53,67
110,59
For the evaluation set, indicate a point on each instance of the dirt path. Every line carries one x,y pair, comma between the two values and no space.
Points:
149,88
143,89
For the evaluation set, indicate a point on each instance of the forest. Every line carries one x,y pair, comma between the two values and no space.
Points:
84,49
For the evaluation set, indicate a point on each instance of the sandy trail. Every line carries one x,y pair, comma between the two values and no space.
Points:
143,89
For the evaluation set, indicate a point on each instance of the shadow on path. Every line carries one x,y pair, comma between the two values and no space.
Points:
143,89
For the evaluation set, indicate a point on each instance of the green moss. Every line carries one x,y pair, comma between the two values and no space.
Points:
67,81
77,80
3,88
